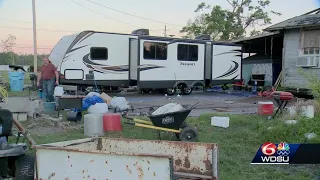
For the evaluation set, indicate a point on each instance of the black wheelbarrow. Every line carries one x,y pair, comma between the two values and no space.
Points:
169,122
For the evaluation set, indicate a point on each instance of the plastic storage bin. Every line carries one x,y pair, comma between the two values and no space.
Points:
16,80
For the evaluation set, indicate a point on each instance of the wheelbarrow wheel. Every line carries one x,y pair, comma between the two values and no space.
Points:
183,125
188,134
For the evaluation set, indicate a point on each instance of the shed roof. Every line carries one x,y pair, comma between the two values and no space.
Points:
263,35
307,20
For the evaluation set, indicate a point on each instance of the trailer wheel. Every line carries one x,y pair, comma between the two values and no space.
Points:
24,167
188,134
186,90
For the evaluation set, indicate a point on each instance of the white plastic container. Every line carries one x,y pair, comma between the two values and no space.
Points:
98,108
220,121
58,91
93,125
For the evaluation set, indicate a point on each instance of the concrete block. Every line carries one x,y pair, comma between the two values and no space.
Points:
22,117
35,107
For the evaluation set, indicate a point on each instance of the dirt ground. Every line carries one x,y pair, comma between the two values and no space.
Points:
208,103
49,124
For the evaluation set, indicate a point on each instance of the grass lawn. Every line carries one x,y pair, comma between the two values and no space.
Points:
237,144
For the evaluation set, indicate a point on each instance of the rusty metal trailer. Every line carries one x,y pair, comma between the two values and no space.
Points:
118,158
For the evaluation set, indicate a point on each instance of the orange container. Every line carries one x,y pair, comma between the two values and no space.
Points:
265,108
112,122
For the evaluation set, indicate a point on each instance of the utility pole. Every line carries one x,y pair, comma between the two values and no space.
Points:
35,60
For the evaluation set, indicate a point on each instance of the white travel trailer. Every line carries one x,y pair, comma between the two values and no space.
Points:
90,58
166,63
148,62
223,63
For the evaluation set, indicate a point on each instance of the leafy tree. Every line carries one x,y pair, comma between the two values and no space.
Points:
227,24
8,45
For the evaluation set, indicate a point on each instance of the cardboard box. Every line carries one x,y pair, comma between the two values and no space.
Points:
106,98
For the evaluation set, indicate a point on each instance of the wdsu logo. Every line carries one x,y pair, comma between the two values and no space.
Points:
270,153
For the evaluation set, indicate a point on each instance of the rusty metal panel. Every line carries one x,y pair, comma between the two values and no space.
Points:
192,159
61,163
188,157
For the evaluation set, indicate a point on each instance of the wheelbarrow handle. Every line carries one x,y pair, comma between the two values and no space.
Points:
130,123
25,134
193,106
125,115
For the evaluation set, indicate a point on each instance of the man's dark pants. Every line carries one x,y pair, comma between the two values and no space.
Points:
48,88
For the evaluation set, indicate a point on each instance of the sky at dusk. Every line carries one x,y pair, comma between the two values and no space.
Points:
56,18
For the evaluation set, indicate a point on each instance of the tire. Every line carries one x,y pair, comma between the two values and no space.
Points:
183,125
24,167
188,134
185,90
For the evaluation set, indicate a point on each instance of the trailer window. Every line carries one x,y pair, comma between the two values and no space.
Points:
187,52
154,51
98,53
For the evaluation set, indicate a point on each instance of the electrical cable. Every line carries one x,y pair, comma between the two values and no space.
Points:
56,30
95,12
28,47
132,14
95,83
15,20
104,15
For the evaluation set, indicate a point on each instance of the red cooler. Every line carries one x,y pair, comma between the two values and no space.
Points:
112,122
265,108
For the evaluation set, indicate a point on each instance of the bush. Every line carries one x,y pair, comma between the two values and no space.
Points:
314,85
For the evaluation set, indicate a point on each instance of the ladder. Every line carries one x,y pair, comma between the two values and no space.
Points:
278,81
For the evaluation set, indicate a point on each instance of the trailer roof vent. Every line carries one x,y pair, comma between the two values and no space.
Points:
203,37
141,32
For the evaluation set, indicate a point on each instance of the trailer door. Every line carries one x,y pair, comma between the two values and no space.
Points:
133,59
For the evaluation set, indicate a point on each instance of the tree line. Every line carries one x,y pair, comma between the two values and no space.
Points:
8,57
11,58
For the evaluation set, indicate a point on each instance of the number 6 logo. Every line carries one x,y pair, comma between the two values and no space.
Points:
268,148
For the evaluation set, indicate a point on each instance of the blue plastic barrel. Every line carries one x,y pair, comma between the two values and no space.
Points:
16,80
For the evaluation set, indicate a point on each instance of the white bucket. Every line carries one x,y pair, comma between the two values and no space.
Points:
93,125
58,91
